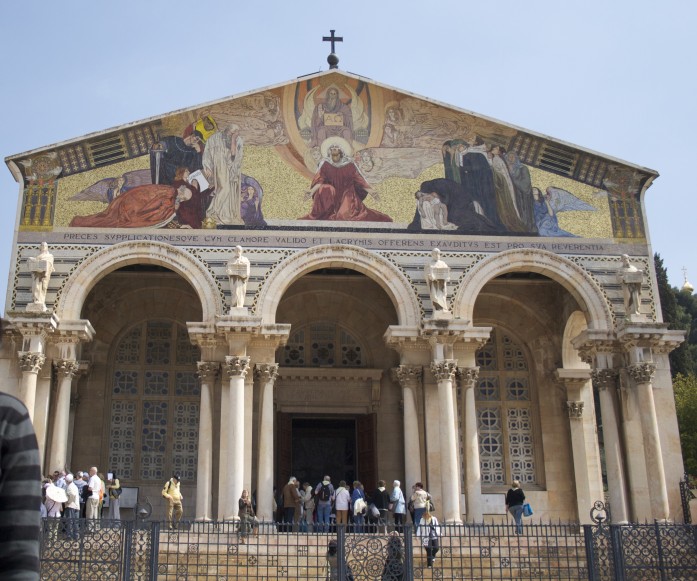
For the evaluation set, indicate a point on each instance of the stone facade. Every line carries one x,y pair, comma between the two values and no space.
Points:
144,363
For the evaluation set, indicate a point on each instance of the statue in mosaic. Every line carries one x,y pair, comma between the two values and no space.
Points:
631,278
437,276
238,272
41,267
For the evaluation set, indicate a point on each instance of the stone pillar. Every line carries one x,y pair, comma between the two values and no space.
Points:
266,373
41,411
66,369
30,363
585,461
410,377
444,371
605,381
236,368
473,471
642,374
207,372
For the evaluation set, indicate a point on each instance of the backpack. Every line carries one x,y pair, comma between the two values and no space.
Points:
325,493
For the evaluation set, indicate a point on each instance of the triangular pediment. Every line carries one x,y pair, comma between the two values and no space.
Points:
265,161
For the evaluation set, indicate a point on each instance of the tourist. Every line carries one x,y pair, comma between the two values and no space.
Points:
342,503
333,563
325,495
72,506
291,499
114,489
399,507
172,493
394,561
421,500
248,520
94,487
308,503
381,500
359,506
515,497
429,532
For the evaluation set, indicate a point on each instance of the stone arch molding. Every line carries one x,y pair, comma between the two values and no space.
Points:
568,274
374,266
104,262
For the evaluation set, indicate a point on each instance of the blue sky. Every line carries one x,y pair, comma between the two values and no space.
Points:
615,77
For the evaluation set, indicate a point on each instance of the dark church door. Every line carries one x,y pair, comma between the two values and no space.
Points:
308,447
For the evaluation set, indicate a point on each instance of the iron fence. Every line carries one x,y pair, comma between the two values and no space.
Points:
220,551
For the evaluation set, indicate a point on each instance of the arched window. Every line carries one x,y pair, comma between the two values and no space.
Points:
155,398
322,344
504,413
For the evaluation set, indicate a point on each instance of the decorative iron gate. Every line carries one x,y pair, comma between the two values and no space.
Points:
90,550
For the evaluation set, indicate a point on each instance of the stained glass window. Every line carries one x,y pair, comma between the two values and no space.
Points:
504,412
154,403
323,344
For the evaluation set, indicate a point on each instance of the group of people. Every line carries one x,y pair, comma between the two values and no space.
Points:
87,494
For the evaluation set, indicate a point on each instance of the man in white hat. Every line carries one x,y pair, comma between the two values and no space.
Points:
95,486
72,506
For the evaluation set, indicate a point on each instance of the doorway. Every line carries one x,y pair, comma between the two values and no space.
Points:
308,447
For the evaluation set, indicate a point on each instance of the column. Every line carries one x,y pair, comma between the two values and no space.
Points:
65,369
410,377
473,471
30,363
207,372
266,373
444,371
236,368
41,410
605,380
642,374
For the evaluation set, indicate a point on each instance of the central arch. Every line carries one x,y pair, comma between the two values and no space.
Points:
374,266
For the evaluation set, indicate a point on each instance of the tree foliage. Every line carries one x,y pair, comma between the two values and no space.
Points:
685,388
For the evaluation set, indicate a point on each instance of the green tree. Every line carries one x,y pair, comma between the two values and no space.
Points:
685,387
677,318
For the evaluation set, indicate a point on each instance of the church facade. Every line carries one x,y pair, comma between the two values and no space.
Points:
530,347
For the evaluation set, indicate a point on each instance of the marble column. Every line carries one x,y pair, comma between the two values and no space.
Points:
410,377
207,372
30,363
642,374
574,409
444,371
66,369
41,411
473,471
605,381
236,368
266,373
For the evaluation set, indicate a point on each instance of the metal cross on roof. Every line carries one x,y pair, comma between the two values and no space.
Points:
332,59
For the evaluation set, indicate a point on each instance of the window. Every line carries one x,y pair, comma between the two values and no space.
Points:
155,399
504,413
323,344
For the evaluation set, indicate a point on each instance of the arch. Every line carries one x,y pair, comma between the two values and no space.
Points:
569,275
575,325
374,266
88,273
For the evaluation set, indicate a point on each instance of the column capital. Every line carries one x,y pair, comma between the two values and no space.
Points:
207,370
31,361
408,375
266,371
66,368
642,372
574,409
236,366
604,378
444,369
468,376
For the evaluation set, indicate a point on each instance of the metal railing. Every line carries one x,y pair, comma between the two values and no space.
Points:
115,550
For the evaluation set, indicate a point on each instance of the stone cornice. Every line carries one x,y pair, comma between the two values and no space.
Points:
573,377
334,374
655,336
32,324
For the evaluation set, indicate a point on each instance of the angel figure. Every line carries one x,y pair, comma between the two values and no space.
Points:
548,205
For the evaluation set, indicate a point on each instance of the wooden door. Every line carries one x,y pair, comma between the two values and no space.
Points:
366,461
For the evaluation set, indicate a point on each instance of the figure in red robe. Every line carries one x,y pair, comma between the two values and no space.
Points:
149,206
338,190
